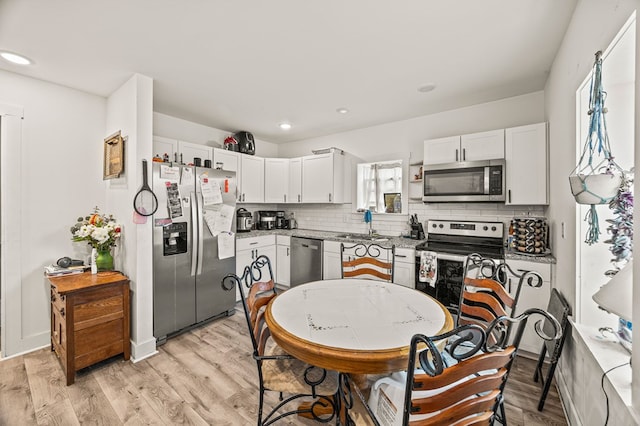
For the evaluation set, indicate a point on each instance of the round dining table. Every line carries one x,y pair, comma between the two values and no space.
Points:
354,326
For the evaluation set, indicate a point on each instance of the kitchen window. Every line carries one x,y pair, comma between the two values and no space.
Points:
374,181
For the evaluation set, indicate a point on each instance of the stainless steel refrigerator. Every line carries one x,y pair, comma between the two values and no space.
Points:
187,270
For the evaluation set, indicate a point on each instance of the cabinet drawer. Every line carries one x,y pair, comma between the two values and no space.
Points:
58,302
96,312
544,269
283,240
255,242
97,343
405,255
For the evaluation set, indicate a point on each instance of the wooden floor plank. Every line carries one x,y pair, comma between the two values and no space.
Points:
204,376
16,406
48,389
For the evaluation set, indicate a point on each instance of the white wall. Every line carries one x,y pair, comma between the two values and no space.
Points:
593,27
61,179
408,135
129,110
176,128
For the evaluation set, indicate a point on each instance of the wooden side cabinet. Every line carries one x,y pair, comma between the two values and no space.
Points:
89,319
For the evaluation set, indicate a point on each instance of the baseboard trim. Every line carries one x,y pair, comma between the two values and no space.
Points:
144,350
567,403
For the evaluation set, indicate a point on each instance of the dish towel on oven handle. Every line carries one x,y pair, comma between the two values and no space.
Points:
428,272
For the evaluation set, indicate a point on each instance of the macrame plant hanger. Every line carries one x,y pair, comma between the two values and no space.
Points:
597,177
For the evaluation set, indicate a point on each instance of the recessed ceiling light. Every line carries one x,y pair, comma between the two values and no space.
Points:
342,110
426,88
15,58
285,126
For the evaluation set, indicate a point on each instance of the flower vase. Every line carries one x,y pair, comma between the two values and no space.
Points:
104,260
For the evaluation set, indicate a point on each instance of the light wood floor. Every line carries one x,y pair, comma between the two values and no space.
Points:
205,376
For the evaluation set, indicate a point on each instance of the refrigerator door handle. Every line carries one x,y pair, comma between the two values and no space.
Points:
200,202
194,234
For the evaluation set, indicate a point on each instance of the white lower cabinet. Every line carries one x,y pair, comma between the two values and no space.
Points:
530,297
331,264
283,260
248,250
405,267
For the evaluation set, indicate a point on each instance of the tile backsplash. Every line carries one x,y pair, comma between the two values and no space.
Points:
342,218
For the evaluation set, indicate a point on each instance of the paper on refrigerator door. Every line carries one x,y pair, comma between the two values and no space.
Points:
219,218
211,193
226,245
187,176
169,172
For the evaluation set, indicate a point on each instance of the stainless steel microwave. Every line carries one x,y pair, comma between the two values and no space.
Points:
465,182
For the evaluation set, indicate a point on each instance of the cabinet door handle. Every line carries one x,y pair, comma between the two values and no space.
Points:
401,255
329,197
464,154
456,154
509,192
287,251
509,281
175,157
298,197
285,198
181,162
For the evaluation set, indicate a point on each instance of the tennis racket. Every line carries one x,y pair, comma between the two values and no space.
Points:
145,203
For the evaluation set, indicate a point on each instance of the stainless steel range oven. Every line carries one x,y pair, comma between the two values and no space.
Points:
453,241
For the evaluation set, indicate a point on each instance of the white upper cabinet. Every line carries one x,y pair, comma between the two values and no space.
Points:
226,160
188,151
323,178
251,180
471,147
482,146
442,150
180,151
526,165
295,180
162,146
276,180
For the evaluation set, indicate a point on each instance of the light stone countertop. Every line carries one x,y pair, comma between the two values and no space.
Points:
397,241
332,236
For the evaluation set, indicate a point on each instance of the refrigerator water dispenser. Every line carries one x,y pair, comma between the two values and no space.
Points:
174,238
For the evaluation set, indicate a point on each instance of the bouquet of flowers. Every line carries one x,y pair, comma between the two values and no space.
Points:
99,231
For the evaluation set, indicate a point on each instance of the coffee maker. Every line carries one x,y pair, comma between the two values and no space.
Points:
281,221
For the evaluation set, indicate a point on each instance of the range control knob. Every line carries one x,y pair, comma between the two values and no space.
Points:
434,225
484,228
441,226
493,228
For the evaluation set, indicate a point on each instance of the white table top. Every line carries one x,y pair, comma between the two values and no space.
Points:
357,314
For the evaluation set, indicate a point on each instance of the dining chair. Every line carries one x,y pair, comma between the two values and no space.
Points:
560,309
484,297
371,261
471,391
278,371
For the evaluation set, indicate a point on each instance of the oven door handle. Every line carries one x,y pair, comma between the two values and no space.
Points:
452,257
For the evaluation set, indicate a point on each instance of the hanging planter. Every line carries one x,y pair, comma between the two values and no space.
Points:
596,179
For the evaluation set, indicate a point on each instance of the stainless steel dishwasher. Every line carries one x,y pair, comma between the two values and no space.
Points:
306,260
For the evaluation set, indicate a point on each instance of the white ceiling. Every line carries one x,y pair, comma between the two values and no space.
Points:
249,65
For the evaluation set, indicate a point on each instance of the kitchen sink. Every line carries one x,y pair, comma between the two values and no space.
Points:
366,237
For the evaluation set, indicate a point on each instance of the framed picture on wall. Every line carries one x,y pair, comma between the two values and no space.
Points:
389,198
113,156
